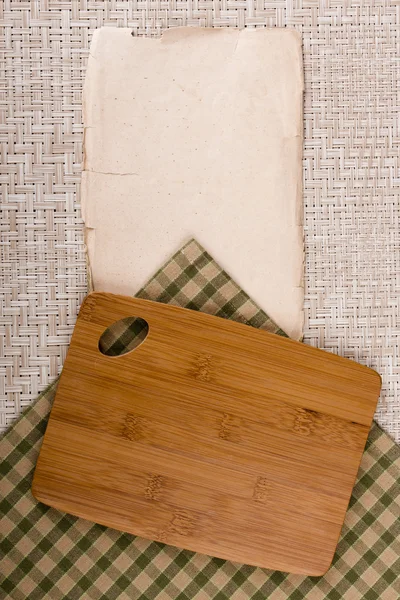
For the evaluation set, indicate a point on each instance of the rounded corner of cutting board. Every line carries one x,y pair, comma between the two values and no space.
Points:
324,566
378,378
36,490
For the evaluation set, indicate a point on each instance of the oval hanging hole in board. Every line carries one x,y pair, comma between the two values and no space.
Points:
123,336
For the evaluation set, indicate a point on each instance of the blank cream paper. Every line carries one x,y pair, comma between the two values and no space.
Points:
197,134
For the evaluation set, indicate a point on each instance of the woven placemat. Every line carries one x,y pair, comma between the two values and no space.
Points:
48,554
351,174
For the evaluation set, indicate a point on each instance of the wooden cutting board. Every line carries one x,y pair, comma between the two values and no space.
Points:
210,436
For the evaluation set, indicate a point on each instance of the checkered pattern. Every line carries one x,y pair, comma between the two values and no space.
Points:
48,554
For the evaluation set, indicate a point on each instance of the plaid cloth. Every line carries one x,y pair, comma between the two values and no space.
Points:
48,554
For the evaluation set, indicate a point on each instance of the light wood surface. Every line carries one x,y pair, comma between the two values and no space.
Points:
211,436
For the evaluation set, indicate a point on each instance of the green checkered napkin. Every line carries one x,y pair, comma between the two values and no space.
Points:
48,554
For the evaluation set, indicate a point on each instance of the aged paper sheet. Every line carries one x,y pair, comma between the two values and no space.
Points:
197,134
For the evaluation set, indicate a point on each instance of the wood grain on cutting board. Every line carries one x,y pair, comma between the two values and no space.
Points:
211,436
197,134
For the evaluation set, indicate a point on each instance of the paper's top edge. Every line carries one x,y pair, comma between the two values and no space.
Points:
173,33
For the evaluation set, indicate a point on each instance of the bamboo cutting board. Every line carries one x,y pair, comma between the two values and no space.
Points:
210,436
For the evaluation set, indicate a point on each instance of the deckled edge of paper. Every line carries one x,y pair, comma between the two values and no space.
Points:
299,195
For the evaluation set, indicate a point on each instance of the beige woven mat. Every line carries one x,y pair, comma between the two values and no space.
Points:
351,174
